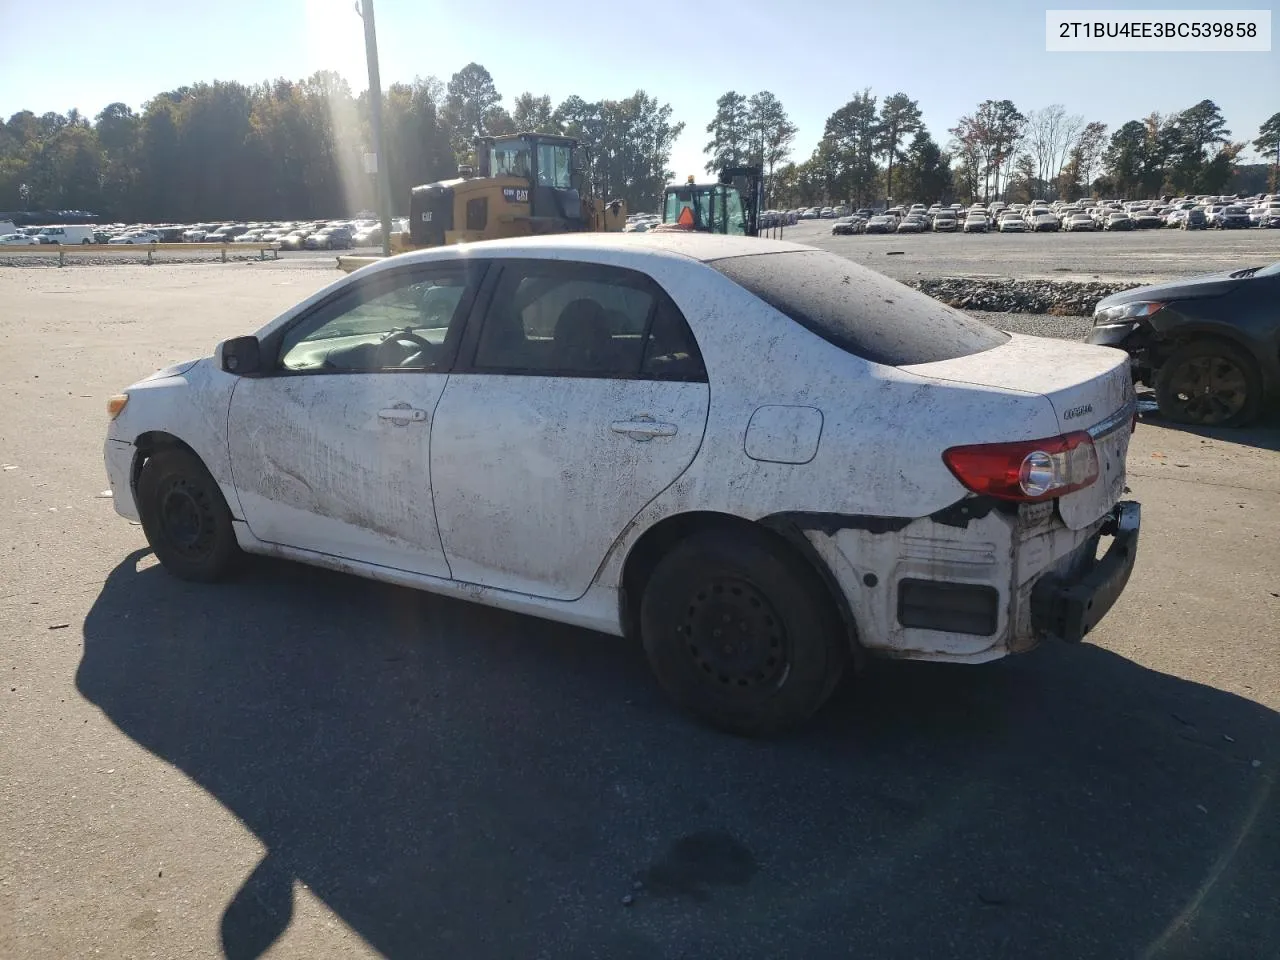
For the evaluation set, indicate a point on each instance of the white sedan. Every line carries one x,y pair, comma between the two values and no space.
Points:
18,240
136,236
760,459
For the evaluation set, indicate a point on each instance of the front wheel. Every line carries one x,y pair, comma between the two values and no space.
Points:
185,518
740,633
1209,383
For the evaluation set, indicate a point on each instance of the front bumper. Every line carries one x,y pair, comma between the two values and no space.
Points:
118,457
1112,334
1068,607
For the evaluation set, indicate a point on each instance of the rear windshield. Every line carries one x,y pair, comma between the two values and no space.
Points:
858,310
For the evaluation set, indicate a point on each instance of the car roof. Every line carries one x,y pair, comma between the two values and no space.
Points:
704,247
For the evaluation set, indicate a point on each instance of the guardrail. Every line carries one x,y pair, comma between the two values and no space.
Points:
85,249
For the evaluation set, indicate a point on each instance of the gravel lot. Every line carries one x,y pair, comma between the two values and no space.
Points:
347,769
1038,324
1142,256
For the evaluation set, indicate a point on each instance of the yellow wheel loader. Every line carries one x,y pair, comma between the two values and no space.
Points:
527,184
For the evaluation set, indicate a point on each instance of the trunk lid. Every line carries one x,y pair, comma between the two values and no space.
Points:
1089,388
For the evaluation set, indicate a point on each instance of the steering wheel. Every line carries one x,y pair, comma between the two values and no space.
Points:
399,338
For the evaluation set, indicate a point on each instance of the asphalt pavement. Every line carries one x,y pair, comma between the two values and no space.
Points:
302,764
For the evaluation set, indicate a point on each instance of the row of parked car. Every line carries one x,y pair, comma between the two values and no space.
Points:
302,235
641,222
1186,213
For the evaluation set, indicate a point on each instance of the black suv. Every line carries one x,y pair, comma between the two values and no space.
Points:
1209,345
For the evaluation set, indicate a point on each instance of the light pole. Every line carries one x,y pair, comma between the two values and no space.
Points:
365,9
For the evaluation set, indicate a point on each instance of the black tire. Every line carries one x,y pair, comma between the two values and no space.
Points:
782,662
185,517
1209,383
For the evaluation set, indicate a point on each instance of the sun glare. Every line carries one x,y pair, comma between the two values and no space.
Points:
335,41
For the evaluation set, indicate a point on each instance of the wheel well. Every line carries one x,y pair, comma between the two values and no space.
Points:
148,444
663,536
1178,339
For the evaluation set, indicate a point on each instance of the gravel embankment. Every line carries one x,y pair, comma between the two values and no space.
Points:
1062,298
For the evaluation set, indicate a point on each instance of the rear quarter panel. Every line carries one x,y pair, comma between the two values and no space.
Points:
883,430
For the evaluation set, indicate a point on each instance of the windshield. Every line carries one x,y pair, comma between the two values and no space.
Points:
858,310
716,208
554,166
509,160
731,212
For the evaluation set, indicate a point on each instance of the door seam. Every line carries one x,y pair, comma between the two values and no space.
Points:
231,464
431,472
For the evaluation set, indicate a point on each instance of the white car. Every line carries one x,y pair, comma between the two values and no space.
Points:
1043,220
1011,222
730,449
135,236
18,240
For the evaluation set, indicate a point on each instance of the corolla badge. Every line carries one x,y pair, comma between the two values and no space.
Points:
1078,411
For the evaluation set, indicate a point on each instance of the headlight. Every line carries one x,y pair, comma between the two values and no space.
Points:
116,404
1134,310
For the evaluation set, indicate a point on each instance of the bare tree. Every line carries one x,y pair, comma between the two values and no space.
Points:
1090,143
1042,131
1050,134
1068,134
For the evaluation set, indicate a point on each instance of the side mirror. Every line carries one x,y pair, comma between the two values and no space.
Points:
241,356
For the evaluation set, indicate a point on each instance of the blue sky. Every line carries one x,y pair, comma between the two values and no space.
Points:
814,54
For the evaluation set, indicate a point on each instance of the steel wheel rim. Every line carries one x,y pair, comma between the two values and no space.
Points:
1209,390
186,518
735,637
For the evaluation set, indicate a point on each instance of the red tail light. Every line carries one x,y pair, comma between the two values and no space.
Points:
1027,471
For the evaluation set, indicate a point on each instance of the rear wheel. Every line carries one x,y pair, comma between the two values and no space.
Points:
740,633
185,517
1209,383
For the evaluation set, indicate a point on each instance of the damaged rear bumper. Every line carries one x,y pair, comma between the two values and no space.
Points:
1068,607
974,582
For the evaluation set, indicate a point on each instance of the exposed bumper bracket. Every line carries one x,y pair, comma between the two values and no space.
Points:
1069,607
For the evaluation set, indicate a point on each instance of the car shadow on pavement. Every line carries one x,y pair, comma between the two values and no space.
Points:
457,781
1263,433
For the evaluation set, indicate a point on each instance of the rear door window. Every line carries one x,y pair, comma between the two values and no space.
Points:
557,319
552,318
858,310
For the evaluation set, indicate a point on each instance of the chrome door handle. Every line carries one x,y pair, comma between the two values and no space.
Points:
643,428
402,415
